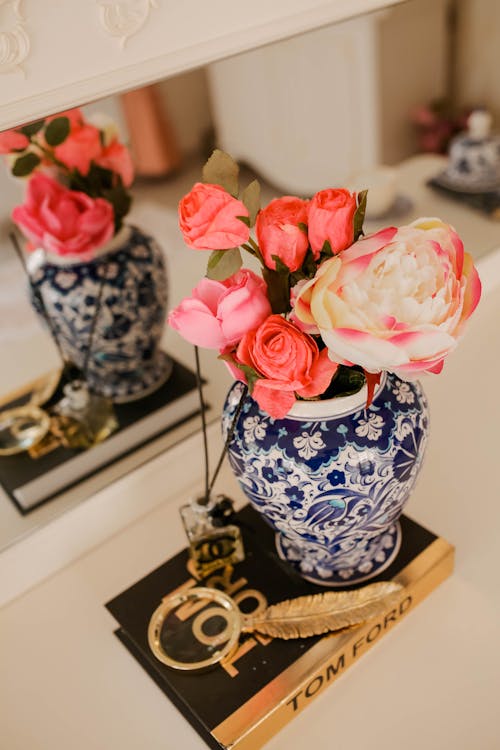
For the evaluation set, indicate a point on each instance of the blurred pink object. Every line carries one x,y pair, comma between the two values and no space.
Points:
152,139
436,124
12,140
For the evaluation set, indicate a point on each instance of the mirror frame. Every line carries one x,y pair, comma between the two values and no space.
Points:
128,50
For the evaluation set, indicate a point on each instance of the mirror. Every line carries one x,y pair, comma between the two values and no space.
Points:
370,89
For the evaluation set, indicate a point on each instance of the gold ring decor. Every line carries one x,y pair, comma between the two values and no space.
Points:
218,605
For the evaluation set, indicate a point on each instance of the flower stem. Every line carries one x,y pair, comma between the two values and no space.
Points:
252,248
229,437
199,384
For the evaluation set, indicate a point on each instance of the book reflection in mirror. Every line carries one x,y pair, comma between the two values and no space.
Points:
28,482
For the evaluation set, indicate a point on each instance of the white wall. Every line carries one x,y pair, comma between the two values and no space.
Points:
319,108
187,101
413,69
478,55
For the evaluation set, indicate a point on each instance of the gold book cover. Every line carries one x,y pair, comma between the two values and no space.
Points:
244,701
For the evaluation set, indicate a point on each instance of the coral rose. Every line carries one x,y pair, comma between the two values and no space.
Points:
81,147
289,362
219,313
396,300
62,221
331,219
116,157
278,232
11,140
208,218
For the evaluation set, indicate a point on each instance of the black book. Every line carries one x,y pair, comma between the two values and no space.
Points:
29,482
243,702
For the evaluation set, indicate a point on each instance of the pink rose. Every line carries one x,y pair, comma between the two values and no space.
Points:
278,232
116,157
396,300
81,147
331,218
11,140
208,219
62,221
219,313
289,362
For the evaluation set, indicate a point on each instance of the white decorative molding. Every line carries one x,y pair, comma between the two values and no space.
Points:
16,6
177,41
123,18
14,41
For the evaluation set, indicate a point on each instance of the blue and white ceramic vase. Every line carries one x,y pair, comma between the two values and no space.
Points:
122,291
332,477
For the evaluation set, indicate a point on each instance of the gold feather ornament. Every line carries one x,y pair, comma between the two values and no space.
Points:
316,614
302,617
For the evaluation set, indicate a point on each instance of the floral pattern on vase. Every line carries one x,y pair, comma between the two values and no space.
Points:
333,485
125,362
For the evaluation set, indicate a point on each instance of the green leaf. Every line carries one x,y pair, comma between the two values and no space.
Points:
309,266
251,199
32,128
223,263
250,374
359,216
120,200
221,169
326,250
302,227
280,266
278,290
244,219
346,381
24,165
57,131
215,257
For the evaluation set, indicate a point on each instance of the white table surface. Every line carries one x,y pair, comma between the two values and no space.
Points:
432,682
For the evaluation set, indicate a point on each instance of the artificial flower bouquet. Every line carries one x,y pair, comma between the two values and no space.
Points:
332,308
78,173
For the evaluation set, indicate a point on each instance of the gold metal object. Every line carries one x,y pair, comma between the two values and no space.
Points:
48,443
302,617
45,387
21,428
71,423
85,419
63,432
215,604
36,392
316,614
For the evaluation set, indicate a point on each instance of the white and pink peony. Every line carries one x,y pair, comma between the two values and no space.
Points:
396,300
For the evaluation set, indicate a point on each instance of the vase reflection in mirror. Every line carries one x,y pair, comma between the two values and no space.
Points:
100,284
129,276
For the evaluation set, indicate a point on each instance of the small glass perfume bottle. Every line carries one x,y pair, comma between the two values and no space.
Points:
214,542
88,419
